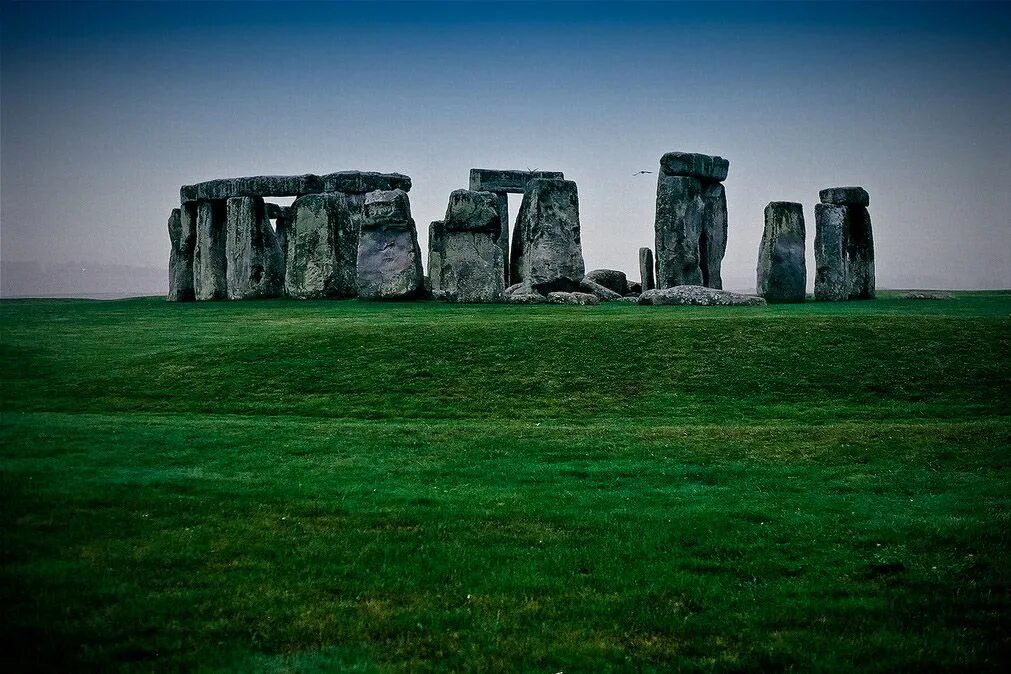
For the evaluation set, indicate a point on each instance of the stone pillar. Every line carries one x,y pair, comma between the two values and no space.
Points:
322,247
209,267
843,245
782,270
389,257
182,228
254,262
646,269
691,220
548,224
466,263
503,236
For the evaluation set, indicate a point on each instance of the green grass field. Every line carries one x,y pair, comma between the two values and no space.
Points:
321,486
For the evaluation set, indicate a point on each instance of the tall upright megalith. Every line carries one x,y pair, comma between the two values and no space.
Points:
551,255
210,280
321,248
182,228
389,257
843,245
253,259
691,220
466,260
647,271
782,270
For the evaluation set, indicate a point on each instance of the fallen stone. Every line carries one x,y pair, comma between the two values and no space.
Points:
550,256
611,279
253,259
321,248
389,257
465,258
691,164
634,288
926,295
602,293
526,298
647,269
210,281
679,226
182,238
688,295
782,269
845,196
628,299
559,297
516,288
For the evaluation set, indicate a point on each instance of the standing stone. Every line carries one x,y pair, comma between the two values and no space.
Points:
691,220
182,235
466,261
646,269
210,281
843,246
782,270
281,232
322,247
551,257
254,262
389,257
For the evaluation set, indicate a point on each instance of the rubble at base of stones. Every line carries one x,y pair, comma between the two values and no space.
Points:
698,296
583,299
926,295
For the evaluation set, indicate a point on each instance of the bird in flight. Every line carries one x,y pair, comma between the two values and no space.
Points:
641,172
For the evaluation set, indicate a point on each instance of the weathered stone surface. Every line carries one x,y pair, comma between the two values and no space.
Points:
526,298
694,165
594,288
612,279
281,221
694,295
494,180
634,288
782,269
713,238
845,196
628,299
926,295
182,237
362,182
647,269
843,253
679,212
389,257
253,259
465,257
210,281
550,254
322,248
559,297
516,288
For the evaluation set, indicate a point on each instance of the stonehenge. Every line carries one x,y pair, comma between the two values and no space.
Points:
350,234
782,270
691,220
843,245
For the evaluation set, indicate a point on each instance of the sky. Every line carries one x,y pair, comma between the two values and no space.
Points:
106,109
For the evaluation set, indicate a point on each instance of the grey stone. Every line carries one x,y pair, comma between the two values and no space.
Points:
679,212
647,269
495,180
845,196
926,295
634,288
465,257
559,297
210,281
362,182
694,295
182,238
526,298
272,210
611,279
713,237
389,257
550,255
694,165
348,182
843,253
782,269
322,248
628,299
515,289
253,258
281,232
602,293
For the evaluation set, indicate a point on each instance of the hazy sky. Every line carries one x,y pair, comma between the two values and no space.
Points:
107,109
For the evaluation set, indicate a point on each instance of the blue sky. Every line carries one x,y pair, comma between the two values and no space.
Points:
108,108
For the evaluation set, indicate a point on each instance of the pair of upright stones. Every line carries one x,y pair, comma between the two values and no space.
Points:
843,248
346,234
470,259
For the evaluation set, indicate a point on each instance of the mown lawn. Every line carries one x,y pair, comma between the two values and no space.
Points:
319,486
